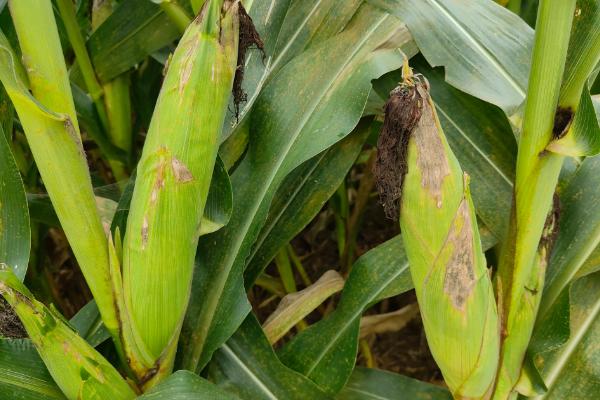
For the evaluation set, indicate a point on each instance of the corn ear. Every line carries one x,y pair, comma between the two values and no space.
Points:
42,98
174,175
440,234
79,370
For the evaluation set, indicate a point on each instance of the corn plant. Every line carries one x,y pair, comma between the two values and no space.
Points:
176,152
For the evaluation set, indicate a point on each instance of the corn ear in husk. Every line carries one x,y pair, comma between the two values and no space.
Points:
440,234
173,179
78,369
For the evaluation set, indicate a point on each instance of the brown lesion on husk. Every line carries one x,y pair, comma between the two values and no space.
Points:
248,38
403,111
181,173
431,155
460,276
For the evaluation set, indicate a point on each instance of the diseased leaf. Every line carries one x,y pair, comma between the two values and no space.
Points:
295,306
579,230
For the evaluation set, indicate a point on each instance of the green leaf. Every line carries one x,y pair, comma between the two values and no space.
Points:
291,122
571,371
302,194
247,366
15,235
374,384
23,375
579,231
135,29
458,35
185,385
89,325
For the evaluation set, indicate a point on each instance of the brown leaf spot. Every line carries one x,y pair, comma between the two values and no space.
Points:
145,228
181,172
460,277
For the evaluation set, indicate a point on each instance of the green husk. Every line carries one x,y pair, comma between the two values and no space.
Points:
174,175
440,234
78,369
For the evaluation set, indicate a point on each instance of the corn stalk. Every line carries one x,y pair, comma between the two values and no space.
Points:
48,117
524,254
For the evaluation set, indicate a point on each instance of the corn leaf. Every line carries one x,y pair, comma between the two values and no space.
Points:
89,325
295,306
15,235
23,375
291,123
579,232
135,29
302,195
374,384
185,385
247,366
570,371
457,34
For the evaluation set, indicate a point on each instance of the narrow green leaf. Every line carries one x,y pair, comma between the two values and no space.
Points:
135,29
247,366
456,34
579,233
15,235
185,385
571,371
89,325
374,384
23,375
